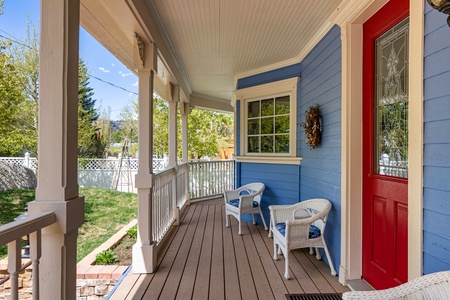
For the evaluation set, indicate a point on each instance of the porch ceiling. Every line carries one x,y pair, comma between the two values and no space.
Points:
211,43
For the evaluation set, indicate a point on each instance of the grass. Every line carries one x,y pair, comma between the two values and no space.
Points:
105,212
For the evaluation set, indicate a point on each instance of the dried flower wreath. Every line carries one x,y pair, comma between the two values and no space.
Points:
313,127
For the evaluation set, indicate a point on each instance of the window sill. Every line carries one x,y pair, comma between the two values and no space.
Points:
270,160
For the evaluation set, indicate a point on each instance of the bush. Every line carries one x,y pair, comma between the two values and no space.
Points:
132,232
106,257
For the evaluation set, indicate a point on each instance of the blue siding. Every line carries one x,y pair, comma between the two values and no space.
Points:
319,175
281,183
436,238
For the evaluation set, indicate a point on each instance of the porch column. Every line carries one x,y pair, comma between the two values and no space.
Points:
184,110
144,251
172,98
57,148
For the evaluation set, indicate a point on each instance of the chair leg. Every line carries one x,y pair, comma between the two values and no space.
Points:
240,233
275,251
311,250
318,256
333,271
227,220
286,264
253,219
264,222
270,228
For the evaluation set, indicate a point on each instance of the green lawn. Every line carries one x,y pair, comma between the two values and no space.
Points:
106,212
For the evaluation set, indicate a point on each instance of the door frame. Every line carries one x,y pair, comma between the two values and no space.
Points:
351,22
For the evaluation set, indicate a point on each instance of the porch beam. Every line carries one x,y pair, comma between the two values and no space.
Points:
144,251
57,147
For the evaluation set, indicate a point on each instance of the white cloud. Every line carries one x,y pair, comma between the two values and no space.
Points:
103,69
113,65
136,83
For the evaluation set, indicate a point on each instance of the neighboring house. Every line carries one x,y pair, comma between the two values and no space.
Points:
390,197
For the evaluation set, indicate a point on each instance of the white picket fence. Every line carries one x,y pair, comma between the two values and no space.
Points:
205,178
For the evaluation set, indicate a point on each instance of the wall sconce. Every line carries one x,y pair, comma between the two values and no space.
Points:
442,6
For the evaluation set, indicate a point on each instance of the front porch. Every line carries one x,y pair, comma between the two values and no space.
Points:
206,260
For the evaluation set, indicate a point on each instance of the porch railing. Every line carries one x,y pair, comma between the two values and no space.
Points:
210,178
11,234
170,194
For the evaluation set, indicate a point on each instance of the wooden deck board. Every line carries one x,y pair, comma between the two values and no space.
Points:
207,260
201,287
216,286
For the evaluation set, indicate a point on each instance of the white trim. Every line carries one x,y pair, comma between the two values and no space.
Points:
269,160
287,86
415,184
351,177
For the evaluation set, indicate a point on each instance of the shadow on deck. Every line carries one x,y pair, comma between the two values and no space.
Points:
206,260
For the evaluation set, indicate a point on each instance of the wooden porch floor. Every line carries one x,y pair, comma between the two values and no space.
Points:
206,260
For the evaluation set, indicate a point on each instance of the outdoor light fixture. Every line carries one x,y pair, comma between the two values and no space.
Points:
442,6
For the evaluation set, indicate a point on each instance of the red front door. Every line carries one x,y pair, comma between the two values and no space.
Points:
385,146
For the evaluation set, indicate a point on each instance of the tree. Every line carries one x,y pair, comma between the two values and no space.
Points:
206,130
90,141
16,130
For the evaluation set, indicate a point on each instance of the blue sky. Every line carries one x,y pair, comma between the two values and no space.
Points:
100,62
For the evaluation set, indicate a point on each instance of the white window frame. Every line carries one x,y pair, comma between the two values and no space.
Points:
287,87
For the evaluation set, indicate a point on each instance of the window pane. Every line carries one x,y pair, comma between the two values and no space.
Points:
267,144
267,125
253,144
267,107
391,102
282,105
253,126
282,124
282,143
253,109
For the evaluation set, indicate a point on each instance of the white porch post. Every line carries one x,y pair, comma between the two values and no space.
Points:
57,148
184,110
172,98
144,251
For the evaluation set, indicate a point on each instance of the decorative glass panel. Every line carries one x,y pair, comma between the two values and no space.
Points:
391,102
253,109
267,144
267,107
267,125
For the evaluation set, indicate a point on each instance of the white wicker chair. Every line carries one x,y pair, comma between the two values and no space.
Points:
242,201
291,232
435,286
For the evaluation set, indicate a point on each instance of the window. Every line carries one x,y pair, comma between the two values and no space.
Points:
268,121
268,125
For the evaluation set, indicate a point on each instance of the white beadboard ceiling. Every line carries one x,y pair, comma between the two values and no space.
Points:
216,40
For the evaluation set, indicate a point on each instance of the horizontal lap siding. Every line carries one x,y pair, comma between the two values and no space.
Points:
320,174
436,238
281,181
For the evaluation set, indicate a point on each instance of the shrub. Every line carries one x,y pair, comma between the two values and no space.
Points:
106,257
132,232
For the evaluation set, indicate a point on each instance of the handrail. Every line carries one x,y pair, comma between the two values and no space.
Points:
12,234
17,229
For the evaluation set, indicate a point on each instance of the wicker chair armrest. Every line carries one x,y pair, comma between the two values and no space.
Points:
431,286
230,195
